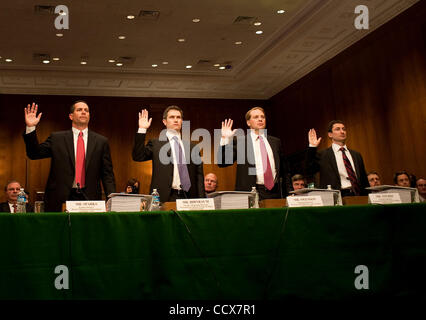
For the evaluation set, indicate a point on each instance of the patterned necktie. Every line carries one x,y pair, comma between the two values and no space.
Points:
351,173
182,168
15,207
80,171
267,173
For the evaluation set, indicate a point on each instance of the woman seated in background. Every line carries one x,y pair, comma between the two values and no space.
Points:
132,186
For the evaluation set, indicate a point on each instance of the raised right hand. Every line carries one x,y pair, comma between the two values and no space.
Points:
312,137
227,131
31,118
144,123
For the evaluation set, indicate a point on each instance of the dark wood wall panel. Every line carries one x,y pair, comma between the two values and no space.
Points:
378,87
115,118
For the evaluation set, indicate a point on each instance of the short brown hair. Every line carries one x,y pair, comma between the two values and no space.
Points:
332,123
400,173
248,114
298,177
72,108
373,172
173,107
10,182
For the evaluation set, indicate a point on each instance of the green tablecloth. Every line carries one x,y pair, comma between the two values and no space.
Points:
297,253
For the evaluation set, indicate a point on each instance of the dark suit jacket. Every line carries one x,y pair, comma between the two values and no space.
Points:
60,147
325,163
162,174
244,180
4,207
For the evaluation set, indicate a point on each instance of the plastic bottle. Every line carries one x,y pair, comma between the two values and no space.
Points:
21,201
155,200
254,198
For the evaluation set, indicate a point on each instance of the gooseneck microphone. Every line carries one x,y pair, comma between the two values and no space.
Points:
184,193
79,190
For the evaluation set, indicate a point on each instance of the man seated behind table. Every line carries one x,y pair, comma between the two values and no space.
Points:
373,179
298,182
210,182
402,179
12,190
421,187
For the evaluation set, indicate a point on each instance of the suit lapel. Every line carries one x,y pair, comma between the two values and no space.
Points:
355,160
275,153
69,145
333,161
91,143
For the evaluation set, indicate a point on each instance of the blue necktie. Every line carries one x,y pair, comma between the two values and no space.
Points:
182,168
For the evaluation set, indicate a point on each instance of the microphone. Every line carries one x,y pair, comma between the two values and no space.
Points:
184,193
79,190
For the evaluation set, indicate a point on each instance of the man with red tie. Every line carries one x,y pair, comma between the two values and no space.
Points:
340,167
260,158
81,158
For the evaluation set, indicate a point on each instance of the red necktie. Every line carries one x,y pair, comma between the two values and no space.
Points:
15,207
351,173
80,172
267,174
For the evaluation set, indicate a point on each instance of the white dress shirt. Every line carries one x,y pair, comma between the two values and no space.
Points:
176,184
75,133
257,155
344,178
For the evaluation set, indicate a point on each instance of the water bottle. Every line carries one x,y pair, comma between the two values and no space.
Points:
155,200
21,202
254,198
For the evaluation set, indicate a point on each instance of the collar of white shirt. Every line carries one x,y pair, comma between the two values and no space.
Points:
172,133
254,136
76,131
336,147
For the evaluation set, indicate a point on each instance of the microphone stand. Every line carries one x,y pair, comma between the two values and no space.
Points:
79,190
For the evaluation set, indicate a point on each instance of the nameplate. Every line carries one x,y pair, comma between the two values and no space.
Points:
194,204
304,201
384,198
85,206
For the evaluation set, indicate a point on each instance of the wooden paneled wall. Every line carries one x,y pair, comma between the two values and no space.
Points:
378,87
116,118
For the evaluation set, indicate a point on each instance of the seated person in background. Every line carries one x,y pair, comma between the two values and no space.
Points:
298,182
421,187
12,190
132,186
210,182
402,179
373,179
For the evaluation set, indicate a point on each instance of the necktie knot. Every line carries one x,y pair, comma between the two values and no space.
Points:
80,135
342,149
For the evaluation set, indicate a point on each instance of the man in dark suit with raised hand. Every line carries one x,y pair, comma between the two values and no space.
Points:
263,165
340,167
80,158
177,169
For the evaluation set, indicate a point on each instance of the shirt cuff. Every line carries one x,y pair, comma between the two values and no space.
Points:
224,141
141,130
29,129
311,146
